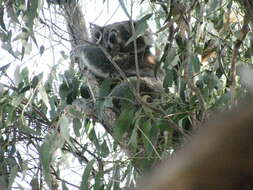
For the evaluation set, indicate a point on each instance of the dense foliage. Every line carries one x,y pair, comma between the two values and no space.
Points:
46,140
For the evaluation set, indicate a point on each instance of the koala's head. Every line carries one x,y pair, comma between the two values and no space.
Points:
113,37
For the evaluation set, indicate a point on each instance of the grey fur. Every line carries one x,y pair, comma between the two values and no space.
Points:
113,38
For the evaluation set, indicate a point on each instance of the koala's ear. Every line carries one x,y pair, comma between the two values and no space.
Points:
96,32
95,27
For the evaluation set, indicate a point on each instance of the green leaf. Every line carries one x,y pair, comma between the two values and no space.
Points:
99,181
141,28
20,160
75,113
25,75
102,105
16,100
11,12
43,94
155,132
46,154
86,175
105,88
211,80
42,49
104,150
34,183
116,178
13,174
196,63
1,89
64,186
8,47
133,141
182,90
77,125
146,136
92,136
64,127
4,68
4,181
223,100
124,122
2,16
11,116
32,12
129,174
123,6
52,142
17,76
26,129
171,58
35,81
212,6
169,78
64,90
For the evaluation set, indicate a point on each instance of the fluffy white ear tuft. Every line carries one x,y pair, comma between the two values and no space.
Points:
96,33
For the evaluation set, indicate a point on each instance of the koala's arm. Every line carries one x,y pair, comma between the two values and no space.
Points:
94,59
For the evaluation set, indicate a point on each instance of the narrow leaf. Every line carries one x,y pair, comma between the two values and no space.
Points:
77,125
13,175
123,6
86,175
64,186
43,94
64,126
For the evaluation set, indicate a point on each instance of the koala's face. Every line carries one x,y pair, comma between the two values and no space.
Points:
113,37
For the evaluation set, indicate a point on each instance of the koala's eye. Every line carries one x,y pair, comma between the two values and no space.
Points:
126,35
112,38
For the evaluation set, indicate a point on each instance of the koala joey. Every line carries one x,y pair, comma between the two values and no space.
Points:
113,38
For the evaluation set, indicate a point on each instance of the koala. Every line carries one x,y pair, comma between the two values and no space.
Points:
113,38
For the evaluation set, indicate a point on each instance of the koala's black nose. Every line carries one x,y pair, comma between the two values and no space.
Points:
112,38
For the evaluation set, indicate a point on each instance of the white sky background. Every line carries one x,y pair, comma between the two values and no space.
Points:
110,11
95,12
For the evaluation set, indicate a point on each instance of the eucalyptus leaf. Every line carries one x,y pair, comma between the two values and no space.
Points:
77,125
196,63
104,150
4,68
44,95
141,28
123,6
169,78
99,181
64,127
13,174
64,186
133,141
46,155
124,122
86,175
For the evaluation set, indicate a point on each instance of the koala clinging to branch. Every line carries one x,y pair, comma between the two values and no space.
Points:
114,39
115,36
